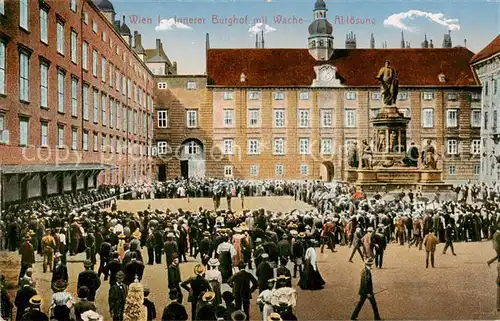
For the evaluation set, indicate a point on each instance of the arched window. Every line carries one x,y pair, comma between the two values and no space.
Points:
321,43
313,44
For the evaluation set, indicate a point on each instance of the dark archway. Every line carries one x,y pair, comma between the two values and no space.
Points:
327,171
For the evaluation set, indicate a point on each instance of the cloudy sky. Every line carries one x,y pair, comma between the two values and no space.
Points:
182,24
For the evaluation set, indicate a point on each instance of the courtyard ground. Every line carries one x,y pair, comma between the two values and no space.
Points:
460,287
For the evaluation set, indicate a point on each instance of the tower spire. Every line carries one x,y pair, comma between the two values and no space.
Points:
372,42
402,40
262,39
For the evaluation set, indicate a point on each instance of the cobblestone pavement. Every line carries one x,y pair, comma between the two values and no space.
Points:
461,287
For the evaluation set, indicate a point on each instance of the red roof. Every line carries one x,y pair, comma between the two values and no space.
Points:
355,67
491,49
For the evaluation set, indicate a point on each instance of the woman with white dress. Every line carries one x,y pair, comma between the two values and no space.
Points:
310,278
214,278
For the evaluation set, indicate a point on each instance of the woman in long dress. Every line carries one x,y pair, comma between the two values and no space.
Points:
311,279
214,278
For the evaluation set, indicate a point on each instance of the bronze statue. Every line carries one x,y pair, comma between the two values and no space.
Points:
388,78
429,156
366,155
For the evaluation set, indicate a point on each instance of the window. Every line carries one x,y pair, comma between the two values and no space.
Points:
406,112
117,80
104,36
74,97
60,38
476,96
254,170
403,96
486,116
72,5
44,134
85,140
452,118
279,146
103,69
452,147
228,146
254,95
129,88
162,119
96,142
74,139
228,95
477,170
326,146
375,95
85,99
303,118
193,148
104,110
428,96
191,85
253,146
118,110
279,169
23,132
228,117
86,18
24,76
124,84
452,96
304,169
44,25
111,112
304,95
23,14
192,118
279,118
374,112
350,95
495,119
95,114
476,146
103,143
304,146
94,63
476,118
85,63
60,91
253,117
124,115
44,85
135,122
228,171
60,136
94,26
326,118
495,86
2,67
428,118
279,95
162,148
452,170
74,44
350,118
162,85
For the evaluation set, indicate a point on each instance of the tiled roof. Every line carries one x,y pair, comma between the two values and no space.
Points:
355,67
491,49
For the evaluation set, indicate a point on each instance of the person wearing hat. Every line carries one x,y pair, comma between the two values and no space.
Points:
174,277
134,269
311,278
117,297
430,243
48,247
206,307
298,251
274,317
62,301
27,252
214,278
22,300
174,311
284,248
35,310
170,248
264,272
225,253
285,273
264,300
258,251
380,243
83,305
196,285
366,291
150,306
243,284
112,268
367,243
91,316
357,244
238,315
89,278
60,271
206,248
417,234
449,234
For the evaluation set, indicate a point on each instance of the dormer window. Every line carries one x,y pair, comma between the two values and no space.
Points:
228,95
243,78
162,85
254,95
279,95
428,96
402,96
476,96
452,96
304,95
375,96
350,95
441,78
191,85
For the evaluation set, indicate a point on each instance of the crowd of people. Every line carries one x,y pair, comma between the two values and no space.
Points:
229,245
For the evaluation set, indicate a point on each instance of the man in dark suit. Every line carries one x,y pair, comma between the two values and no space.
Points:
378,239
150,306
196,285
60,271
83,305
174,277
298,251
22,301
158,245
104,257
206,248
89,279
34,312
113,267
264,273
366,291
175,310
284,248
117,297
242,290
170,248
448,235
150,245
133,269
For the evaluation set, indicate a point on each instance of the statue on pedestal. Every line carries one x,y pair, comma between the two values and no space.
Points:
393,141
381,141
366,155
429,156
352,155
388,78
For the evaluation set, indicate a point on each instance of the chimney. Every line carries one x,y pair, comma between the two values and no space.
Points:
158,46
465,43
372,42
262,38
431,45
402,40
207,41
174,66
256,40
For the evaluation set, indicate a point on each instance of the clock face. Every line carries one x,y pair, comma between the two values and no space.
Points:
327,74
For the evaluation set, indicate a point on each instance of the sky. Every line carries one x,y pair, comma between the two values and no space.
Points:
477,21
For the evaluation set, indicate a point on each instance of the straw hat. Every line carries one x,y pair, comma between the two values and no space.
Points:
36,300
122,236
199,269
274,317
208,296
213,262
91,316
60,285
238,315
136,234
302,234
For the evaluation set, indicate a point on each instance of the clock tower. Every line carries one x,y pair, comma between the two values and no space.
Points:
320,34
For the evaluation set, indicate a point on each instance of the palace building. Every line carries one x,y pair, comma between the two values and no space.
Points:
76,101
291,113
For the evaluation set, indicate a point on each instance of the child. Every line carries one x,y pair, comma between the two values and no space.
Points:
150,306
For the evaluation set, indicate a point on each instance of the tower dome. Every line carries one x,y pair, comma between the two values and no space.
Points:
320,5
320,26
104,5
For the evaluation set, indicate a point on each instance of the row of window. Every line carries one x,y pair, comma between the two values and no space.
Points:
279,170
494,118
326,118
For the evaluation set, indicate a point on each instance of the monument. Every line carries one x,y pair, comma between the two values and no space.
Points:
386,163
